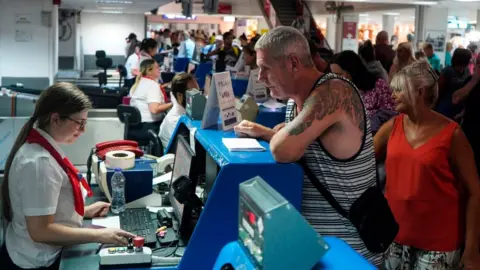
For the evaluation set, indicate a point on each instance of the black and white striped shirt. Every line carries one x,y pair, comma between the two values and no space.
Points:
345,179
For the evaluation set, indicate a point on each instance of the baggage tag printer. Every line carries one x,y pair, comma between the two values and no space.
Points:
195,105
247,108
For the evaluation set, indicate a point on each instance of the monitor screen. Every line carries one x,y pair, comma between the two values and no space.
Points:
181,167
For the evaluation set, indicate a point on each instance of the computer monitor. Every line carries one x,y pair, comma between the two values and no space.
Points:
181,167
211,172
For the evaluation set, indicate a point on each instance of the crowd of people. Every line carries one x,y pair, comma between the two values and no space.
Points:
346,113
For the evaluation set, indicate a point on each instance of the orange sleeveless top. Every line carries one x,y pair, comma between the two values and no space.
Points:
422,191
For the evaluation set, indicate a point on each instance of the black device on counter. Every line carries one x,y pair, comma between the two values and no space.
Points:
164,218
139,222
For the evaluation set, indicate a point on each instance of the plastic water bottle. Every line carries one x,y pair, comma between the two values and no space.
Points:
118,192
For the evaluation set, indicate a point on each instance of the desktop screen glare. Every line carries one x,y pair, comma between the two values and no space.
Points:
181,167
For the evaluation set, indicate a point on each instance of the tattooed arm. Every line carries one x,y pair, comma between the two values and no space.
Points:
325,107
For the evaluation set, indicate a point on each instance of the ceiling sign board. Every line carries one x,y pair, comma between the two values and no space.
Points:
224,8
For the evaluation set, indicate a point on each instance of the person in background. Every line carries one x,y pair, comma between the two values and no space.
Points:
375,91
432,57
227,55
326,125
452,79
420,56
149,98
130,65
383,51
243,40
180,84
470,94
367,53
411,40
212,38
250,57
433,186
448,54
148,49
130,46
318,61
187,46
42,194
403,58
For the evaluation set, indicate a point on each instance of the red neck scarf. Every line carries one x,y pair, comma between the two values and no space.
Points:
75,179
165,97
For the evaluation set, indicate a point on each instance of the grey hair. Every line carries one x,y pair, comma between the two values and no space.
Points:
282,41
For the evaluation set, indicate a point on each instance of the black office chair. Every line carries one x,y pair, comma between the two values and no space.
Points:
156,147
135,131
122,70
105,63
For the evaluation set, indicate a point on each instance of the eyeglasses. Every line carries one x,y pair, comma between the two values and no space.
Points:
81,123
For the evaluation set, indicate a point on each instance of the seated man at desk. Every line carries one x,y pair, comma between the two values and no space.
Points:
180,84
326,126
42,195
149,97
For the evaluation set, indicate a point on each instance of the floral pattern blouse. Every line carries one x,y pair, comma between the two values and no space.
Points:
378,98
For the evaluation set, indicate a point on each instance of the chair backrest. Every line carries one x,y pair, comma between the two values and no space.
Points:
100,54
104,63
128,115
156,147
181,64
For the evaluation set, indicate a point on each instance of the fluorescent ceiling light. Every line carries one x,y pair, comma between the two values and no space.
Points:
391,13
467,0
115,2
424,3
363,15
112,11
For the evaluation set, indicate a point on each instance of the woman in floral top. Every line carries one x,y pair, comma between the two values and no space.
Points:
376,93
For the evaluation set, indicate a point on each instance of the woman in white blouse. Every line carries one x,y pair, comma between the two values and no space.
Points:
149,98
42,192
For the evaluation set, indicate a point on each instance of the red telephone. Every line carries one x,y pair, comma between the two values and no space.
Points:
101,149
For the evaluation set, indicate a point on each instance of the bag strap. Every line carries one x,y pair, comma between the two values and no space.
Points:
325,193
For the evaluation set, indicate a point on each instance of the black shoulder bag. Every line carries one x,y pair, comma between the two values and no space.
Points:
370,214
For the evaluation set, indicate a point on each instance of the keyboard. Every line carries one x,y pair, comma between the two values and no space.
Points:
139,222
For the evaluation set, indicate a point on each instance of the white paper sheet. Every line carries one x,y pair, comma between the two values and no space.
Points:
242,144
107,222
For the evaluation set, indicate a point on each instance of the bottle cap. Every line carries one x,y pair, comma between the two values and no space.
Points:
118,170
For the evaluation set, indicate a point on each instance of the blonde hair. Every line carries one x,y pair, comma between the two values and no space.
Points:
414,77
146,67
411,59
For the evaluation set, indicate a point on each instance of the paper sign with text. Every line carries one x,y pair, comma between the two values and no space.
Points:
220,102
256,89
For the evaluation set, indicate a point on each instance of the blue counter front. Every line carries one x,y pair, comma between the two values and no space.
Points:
218,222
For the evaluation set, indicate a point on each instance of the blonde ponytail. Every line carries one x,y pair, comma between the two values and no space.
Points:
135,85
145,67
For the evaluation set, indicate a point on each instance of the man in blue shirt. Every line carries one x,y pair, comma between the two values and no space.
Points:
432,57
187,46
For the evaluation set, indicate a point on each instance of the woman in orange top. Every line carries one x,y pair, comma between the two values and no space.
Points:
432,183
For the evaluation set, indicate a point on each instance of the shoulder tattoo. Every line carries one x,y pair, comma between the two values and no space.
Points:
333,96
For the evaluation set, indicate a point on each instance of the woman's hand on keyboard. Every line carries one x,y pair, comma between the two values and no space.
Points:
113,236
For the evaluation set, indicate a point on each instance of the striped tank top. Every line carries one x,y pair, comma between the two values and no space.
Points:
345,179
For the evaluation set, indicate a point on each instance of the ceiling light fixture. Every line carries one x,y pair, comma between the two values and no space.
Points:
427,3
114,2
391,13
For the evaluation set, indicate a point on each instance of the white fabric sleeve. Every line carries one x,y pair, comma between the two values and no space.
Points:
39,183
154,94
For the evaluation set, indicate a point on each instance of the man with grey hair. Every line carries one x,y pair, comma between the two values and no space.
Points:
325,127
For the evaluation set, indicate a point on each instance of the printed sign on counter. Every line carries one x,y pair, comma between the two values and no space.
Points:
256,89
221,101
